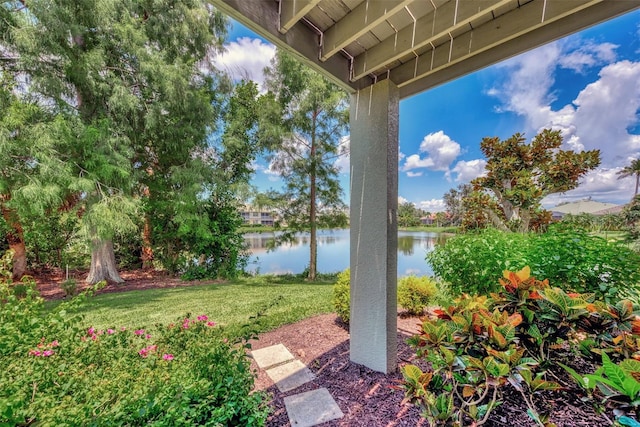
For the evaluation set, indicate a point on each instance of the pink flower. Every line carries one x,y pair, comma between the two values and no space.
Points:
139,332
91,331
54,343
111,331
167,356
225,340
124,328
34,353
145,351
185,324
211,323
94,337
48,353
148,336
203,317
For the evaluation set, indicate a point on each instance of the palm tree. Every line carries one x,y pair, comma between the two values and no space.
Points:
632,169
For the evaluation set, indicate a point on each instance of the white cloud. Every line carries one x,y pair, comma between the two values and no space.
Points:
441,151
601,114
588,55
245,58
433,205
414,174
401,200
601,185
414,162
343,162
468,170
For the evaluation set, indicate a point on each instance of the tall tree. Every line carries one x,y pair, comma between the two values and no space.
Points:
131,75
312,117
520,175
454,202
31,179
632,169
408,215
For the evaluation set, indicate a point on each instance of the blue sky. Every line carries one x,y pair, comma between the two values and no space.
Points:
586,85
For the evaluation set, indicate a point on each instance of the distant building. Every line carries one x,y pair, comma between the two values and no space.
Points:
257,216
584,207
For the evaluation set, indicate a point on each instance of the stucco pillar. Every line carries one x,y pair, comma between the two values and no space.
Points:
374,228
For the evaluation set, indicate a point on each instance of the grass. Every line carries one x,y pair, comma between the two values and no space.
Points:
279,300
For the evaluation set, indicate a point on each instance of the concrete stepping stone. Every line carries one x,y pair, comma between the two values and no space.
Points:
271,356
312,408
290,375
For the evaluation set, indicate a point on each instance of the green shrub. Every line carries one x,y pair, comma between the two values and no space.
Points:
69,287
341,295
518,339
569,257
56,371
415,293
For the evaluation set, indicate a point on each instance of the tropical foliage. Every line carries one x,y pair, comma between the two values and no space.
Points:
480,346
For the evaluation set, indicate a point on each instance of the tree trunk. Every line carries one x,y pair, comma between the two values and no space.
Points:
147,250
313,244
103,263
15,237
637,182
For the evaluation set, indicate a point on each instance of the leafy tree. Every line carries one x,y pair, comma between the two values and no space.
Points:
31,179
132,78
631,170
312,116
454,202
520,175
408,215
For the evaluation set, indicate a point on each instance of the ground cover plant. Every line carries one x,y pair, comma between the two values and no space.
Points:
569,257
57,371
520,338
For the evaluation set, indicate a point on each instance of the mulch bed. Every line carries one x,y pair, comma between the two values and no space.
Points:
365,397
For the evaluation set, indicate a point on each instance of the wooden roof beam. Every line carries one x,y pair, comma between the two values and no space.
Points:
446,18
506,36
359,21
292,11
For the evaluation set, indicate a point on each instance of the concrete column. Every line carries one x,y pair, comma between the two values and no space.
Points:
374,229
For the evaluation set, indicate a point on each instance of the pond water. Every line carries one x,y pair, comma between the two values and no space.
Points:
333,252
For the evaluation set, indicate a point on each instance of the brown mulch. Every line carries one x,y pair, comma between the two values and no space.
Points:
365,397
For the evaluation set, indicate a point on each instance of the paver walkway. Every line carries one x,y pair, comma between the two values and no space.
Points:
303,409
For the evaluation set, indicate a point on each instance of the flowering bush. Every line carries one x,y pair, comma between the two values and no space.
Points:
55,371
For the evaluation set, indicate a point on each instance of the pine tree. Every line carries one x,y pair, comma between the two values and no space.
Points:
313,116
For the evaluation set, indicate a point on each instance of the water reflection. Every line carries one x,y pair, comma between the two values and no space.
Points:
333,252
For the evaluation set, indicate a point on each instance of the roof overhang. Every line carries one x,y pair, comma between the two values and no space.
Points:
417,44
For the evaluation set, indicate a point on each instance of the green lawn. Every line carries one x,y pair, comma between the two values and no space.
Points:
279,300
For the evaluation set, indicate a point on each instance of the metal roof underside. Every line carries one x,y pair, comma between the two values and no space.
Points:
418,44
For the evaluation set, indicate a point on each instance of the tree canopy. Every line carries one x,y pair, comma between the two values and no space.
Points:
519,175
141,131
308,122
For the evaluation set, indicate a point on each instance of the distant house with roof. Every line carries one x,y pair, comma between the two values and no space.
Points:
586,206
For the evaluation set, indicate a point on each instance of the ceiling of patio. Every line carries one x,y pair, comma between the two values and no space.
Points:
418,44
